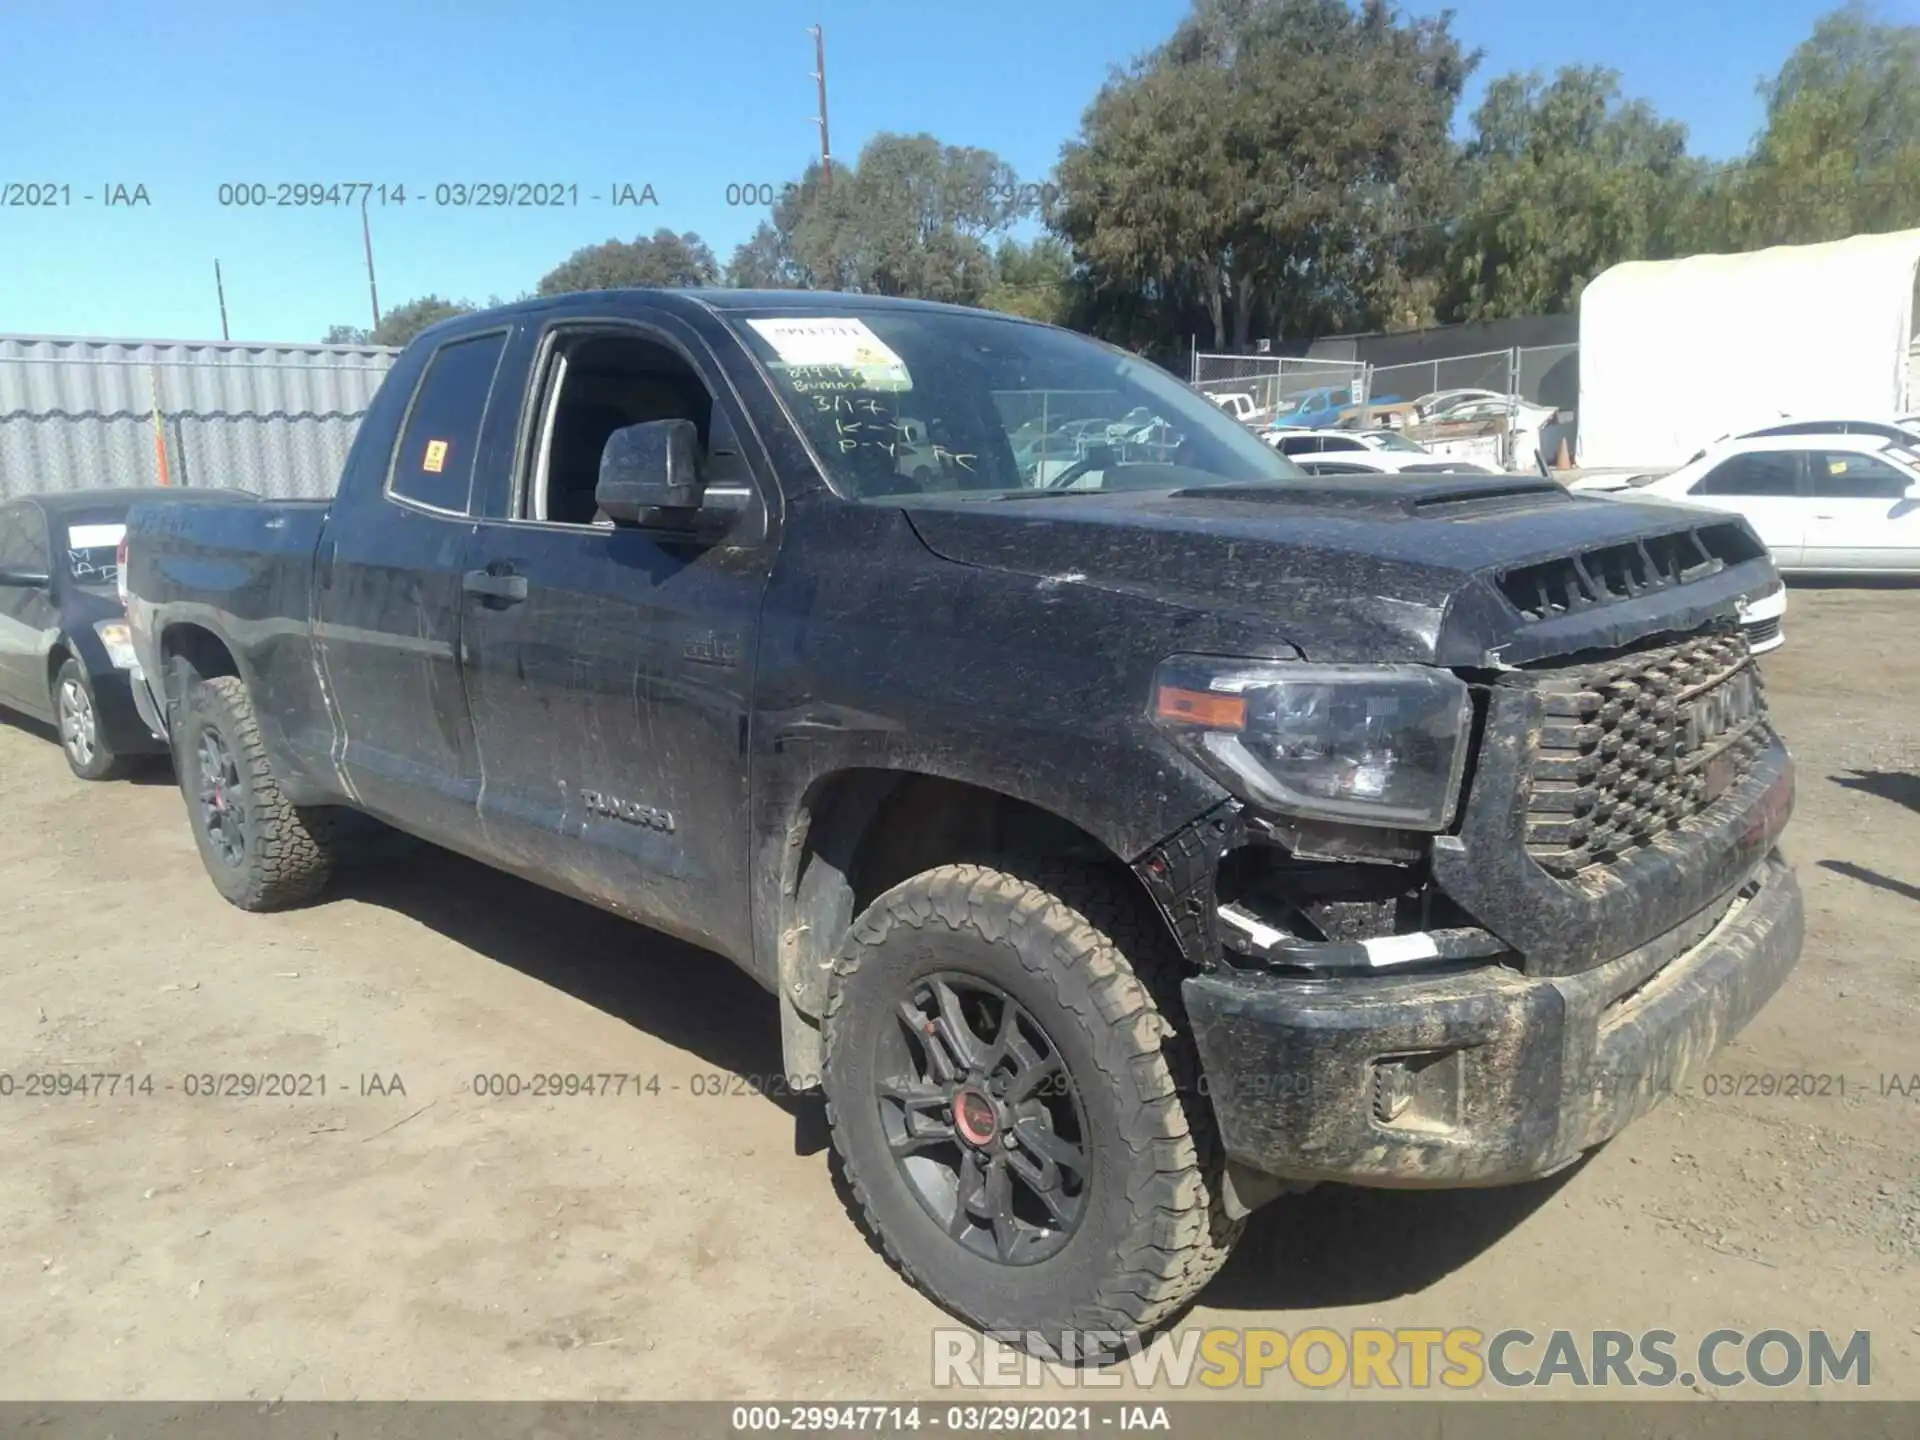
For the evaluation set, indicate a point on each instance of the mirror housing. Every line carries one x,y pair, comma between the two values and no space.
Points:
651,468
21,579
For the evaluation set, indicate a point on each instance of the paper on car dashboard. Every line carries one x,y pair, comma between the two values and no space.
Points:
95,537
845,344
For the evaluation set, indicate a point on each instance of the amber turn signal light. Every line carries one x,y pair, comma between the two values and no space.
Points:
1202,707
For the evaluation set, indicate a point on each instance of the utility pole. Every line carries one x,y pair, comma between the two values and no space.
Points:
366,234
820,74
220,289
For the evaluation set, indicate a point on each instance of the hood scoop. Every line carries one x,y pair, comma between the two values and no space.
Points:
1437,497
1609,573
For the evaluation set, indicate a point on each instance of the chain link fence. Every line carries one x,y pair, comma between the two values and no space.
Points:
1283,387
266,419
1510,408
1403,384
1548,375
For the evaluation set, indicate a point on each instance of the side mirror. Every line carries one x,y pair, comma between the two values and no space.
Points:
651,467
20,579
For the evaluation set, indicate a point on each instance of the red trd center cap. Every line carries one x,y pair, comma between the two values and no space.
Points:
974,1117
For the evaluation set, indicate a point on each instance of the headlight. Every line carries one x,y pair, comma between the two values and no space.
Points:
115,635
1371,745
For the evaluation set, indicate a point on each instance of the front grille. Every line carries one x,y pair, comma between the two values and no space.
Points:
1762,632
1632,746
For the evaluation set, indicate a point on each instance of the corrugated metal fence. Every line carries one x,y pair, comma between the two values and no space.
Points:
273,419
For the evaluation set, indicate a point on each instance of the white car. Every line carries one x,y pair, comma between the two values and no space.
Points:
1899,432
1296,444
1238,404
1761,617
1389,462
1823,504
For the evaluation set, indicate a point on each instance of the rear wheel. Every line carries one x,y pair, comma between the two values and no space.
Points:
81,739
261,851
1002,1088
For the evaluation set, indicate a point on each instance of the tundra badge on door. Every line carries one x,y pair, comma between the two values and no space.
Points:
629,812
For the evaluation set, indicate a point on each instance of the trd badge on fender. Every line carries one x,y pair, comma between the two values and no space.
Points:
629,812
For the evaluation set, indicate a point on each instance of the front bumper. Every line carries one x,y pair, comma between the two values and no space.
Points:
1488,1076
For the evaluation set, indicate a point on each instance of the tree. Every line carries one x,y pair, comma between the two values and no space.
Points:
402,323
1560,181
1034,280
1281,160
346,335
910,217
663,259
1840,152
763,263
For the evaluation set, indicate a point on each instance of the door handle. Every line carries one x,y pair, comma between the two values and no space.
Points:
506,589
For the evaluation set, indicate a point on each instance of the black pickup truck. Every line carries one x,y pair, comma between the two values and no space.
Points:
1130,826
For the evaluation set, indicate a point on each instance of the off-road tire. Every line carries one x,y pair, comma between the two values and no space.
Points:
1080,949
101,762
286,858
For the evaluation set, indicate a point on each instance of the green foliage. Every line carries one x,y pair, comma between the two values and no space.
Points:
1034,280
1558,182
402,323
662,260
911,217
1275,160
1840,153
346,335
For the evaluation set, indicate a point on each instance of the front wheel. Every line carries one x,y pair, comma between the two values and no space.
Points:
1016,1114
78,714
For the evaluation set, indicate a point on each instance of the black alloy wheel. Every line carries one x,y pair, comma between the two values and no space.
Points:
222,798
983,1119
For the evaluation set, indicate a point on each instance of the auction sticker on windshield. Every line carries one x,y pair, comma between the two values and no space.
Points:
836,344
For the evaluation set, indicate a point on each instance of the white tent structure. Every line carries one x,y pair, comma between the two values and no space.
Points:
1675,354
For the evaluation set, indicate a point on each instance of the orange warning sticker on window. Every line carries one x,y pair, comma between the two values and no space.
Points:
436,460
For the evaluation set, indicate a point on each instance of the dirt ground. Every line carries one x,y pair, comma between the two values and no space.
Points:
686,1239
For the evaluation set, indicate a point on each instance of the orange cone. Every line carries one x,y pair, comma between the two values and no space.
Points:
1563,461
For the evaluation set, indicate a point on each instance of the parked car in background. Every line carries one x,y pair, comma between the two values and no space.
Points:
1389,462
65,655
1762,617
1898,432
1238,404
1320,407
1297,443
1823,504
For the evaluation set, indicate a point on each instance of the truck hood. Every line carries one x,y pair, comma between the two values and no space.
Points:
1466,571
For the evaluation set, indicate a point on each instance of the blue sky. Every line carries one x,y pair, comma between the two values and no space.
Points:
186,96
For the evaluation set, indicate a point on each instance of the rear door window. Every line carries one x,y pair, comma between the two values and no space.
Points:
1838,475
433,463
1761,472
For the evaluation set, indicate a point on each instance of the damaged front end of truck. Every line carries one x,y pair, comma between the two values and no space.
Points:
1461,922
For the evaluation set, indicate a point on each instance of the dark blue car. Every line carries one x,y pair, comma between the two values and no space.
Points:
65,654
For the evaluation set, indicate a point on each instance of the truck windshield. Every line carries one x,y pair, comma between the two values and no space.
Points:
909,404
